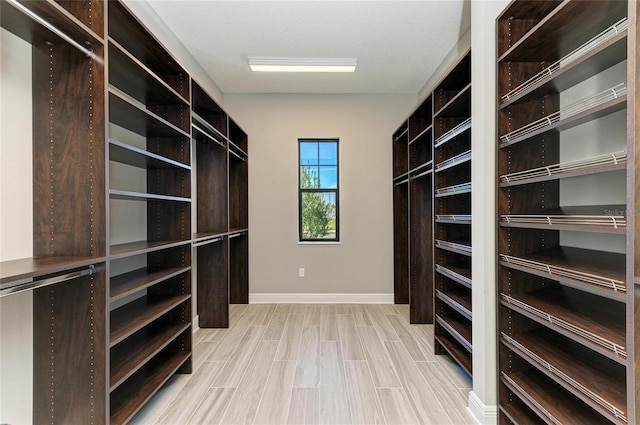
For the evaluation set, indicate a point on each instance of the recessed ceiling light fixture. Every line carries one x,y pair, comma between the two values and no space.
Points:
302,64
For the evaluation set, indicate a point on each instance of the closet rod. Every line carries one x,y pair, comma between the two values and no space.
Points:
52,28
35,284
208,241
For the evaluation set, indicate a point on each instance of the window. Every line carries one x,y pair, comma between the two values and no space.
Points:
318,190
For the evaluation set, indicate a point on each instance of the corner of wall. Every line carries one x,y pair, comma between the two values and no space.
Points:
482,413
463,44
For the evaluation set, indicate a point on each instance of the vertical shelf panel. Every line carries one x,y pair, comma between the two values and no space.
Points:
213,284
69,337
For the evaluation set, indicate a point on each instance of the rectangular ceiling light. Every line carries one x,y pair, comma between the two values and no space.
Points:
301,65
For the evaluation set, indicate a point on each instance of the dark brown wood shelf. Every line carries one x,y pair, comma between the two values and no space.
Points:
132,317
203,236
239,231
423,137
599,59
139,196
588,319
589,218
458,299
15,21
589,270
459,247
134,38
140,158
140,349
133,281
16,271
458,106
590,377
550,402
208,129
142,247
594,112
132,77
460,355
518,413
128,399
572,22
208,111
458,327
458,274
128,113
238,152
615,161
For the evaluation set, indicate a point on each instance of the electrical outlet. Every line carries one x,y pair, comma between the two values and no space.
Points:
301,272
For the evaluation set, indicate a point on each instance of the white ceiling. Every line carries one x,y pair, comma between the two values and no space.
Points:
398,44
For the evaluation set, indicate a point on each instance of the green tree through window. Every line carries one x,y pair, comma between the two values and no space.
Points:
318,190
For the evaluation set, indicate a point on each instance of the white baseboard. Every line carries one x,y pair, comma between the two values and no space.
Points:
286,298
482,413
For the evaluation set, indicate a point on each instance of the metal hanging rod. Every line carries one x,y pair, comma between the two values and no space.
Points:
35,284
52,28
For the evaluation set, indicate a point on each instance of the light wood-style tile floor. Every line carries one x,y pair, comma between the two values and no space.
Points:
314,364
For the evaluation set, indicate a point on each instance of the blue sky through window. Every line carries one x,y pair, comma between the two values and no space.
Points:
321,158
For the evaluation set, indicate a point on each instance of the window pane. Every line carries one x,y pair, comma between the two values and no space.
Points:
308,153
328,177
328,154
309,177
318,215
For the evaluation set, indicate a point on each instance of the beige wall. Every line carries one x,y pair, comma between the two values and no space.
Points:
363,261
16,227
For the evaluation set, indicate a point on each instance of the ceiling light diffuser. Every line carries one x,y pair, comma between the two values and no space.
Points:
301,65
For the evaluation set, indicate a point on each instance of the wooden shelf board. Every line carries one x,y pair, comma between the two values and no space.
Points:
592,215
140,158
601,58
134,38
14,272
455,273
458,327
139,196
458,299
133,77
128,399
236,230
142,247
132,317
133,281
591,114
458,106
564,29
212,131
201,236
518,412
605,383
420,137
130,114
459,355
141,348
583,311
532,385
598,263
573,173
31,31
466,244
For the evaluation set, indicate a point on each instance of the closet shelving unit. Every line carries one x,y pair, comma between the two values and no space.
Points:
150,300
412,205
221,237
112,308
400,145
421,213
68,269
566,315
452,214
